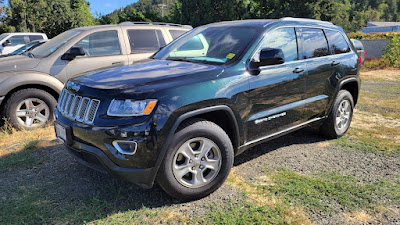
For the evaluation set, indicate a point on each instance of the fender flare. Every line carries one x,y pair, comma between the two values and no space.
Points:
17,80
185,116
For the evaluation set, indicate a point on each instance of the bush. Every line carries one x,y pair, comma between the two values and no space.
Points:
373,36
392,51
373,64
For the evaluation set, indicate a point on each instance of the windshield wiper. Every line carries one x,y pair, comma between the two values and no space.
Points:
30,55
193,60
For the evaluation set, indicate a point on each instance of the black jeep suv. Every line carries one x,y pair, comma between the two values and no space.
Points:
180,117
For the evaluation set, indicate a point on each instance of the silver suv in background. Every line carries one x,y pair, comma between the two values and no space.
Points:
10,42
30,84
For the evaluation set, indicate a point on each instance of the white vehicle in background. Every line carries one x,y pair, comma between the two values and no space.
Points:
10,42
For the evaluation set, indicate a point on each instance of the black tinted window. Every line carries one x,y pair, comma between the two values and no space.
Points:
337,43
284,39
35,37
314,43
145,40
176,33
101,43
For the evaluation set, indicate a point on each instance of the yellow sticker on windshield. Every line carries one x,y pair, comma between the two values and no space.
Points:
230,56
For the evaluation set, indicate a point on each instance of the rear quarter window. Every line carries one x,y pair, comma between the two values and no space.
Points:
35,37
314,43
176,33
337,43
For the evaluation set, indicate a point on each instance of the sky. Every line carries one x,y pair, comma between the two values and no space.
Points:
105,6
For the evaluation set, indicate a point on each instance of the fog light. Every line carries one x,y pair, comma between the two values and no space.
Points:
125,147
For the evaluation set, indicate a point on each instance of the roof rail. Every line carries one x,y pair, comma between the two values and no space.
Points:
305,20
155,23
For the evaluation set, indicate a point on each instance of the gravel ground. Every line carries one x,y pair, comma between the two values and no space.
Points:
66,182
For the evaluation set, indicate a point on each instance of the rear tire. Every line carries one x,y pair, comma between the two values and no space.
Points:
339,119
30,108
197,162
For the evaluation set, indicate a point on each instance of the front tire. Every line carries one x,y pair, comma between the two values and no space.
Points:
30,108
339,119
197,162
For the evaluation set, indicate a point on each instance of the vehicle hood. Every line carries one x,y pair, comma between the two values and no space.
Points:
148,73
17,63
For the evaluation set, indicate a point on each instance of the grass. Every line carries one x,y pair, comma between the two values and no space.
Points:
330,193
374,64
376,122
37,190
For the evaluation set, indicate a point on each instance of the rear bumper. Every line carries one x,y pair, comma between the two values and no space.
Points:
94,158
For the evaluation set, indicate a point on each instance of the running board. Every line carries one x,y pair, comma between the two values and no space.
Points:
280,132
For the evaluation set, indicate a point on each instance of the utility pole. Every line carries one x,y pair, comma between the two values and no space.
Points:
163,7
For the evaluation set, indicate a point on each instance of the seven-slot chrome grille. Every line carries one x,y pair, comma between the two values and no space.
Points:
75,107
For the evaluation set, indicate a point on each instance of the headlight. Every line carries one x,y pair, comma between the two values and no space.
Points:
130,107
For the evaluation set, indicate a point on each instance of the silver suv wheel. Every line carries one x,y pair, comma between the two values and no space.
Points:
32,112
197,162
343,115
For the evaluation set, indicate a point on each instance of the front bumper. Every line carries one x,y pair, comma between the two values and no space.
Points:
94,158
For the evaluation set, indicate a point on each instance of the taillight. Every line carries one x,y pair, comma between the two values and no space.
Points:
360,60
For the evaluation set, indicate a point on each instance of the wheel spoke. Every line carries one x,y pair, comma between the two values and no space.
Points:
28,103
40,107
28,121
42,118
182,172
205,148
198,178
339,123
21,113
212,164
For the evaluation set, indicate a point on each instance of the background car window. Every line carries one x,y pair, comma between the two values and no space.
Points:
35,37
314,43
17,40
337,43
101,43
176,33
145,40
193,43
284,39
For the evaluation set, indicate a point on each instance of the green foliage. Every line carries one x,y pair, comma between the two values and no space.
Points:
373,36
392,51
48,16
375,64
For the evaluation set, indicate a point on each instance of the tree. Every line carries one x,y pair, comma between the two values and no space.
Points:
49,16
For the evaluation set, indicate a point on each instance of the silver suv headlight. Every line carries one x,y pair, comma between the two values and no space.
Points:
129,107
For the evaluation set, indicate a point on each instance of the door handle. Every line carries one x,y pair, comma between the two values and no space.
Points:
335,63
298,70
116,63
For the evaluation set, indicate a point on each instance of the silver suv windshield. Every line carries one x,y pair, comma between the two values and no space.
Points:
210,45
55,43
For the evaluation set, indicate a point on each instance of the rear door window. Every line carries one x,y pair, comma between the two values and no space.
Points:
314,43
337,43
176,33
145,40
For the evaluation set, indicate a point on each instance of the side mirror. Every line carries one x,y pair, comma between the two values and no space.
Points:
268,57
6,43
73,52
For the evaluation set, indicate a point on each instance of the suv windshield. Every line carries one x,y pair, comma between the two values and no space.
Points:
211,45
55,43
